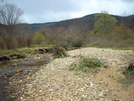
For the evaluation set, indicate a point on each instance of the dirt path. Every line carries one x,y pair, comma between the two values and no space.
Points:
54,82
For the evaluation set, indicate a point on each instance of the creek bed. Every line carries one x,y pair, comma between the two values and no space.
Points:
30,64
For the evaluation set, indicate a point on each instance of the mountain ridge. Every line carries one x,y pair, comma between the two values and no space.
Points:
87,19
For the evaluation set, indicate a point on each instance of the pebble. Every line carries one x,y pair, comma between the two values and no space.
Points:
56,83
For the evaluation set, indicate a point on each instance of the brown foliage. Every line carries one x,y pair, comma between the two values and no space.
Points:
28,42
122,31
59,51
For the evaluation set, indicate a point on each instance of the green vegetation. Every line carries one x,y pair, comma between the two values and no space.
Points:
77,73
130,72
69,39
129,75
73,65
38,38
58,57
18,50
78,42
7,52
104,31
104,23
87,65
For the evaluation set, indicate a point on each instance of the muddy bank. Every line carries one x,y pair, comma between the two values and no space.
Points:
19,68
11,57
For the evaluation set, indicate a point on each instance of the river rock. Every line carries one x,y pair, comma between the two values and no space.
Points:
18,71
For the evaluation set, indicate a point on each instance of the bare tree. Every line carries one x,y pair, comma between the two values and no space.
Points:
10,16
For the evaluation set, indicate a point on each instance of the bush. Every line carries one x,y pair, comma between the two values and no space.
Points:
129,75
38,38
64,45
78,42
87,64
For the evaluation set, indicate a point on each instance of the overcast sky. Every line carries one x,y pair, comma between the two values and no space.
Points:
41,11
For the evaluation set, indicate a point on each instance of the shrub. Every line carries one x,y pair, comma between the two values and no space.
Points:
129,74
130,69
87,65
78,42
69,39
64,45
38,38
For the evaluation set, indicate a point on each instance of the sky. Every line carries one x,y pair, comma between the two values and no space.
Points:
41,11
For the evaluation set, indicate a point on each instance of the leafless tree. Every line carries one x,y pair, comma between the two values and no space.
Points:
10,16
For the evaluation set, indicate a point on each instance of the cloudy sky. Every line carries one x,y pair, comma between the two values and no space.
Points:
40,11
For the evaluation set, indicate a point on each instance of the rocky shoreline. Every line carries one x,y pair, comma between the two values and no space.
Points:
54,81
16,67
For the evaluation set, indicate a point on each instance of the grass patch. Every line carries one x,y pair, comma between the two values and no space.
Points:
58,57
129,75
86,65
77,73
73,65
3,52
25,50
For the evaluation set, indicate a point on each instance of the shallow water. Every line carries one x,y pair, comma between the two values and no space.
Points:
9,68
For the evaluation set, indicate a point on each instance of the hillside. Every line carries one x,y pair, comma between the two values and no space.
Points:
35,25
88,19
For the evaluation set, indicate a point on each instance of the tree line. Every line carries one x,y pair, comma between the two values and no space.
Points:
105,32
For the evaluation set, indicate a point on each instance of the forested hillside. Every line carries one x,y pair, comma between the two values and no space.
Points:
88,19
74,32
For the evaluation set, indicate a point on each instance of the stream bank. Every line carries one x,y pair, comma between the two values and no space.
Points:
19,67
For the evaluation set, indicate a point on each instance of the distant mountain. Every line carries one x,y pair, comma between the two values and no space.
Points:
88,19
35,25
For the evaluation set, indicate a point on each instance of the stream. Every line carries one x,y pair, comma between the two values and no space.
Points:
8,68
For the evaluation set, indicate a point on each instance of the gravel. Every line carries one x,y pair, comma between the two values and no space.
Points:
54,81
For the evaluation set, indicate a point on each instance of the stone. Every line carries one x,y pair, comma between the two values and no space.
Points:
18,71
37,57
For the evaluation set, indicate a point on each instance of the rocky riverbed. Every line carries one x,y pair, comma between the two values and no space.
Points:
19,68
55,82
